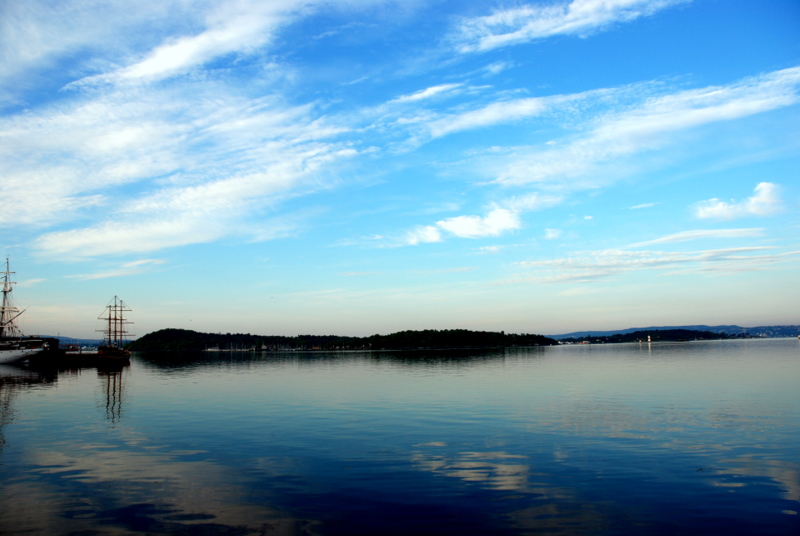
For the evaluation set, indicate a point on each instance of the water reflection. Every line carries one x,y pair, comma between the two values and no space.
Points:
114,391
537,502
511,442
785,475
176,362
143,492
496,470
14,379
86,481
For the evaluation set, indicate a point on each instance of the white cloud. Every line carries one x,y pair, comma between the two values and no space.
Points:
552,234
702,234
423,235
502,218
497,67
494,223
506,111
531,202
765,202
192,166
239,26
648,126
530,22
127,269
197,213
495,113
427,93
36,36
592,266
118,237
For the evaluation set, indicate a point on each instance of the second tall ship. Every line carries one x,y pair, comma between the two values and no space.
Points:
115,332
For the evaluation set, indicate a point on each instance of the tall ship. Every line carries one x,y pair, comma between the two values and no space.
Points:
14,346
115,332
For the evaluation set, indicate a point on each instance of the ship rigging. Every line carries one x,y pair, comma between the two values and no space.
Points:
14,346
115,332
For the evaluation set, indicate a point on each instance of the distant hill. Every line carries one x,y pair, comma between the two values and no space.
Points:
760,331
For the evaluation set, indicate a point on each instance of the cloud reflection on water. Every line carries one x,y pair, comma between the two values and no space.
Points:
81,486
75,486
546,507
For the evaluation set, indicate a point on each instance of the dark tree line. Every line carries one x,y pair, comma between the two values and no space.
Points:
172,339
455,338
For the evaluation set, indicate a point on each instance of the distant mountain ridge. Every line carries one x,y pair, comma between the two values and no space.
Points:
759,331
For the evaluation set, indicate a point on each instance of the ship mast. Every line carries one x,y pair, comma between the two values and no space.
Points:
8,313
116,332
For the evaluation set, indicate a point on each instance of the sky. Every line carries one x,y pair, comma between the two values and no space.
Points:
355,167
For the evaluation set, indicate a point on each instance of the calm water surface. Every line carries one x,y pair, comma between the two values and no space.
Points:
684,438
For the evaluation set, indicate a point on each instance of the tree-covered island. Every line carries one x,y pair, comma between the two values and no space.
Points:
172,339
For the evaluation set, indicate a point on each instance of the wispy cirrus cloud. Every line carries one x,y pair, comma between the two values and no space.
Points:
37,37
586,267
649,125
236,27
428,93
764,202
702,234
76,152
193,159
191,167
609,125
552,234
127,269
507,110
196,213
492,114
526,23
583,267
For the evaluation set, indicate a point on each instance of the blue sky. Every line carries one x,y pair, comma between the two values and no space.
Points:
366,166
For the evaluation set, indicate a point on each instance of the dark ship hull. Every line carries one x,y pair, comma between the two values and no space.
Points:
113,352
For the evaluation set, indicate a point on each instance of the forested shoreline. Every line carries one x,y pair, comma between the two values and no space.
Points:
172,339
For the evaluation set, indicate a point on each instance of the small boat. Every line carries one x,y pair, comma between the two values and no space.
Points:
115,331
14,346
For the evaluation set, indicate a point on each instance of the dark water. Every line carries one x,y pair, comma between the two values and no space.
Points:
685,438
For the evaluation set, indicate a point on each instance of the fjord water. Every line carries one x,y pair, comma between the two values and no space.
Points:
663,438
